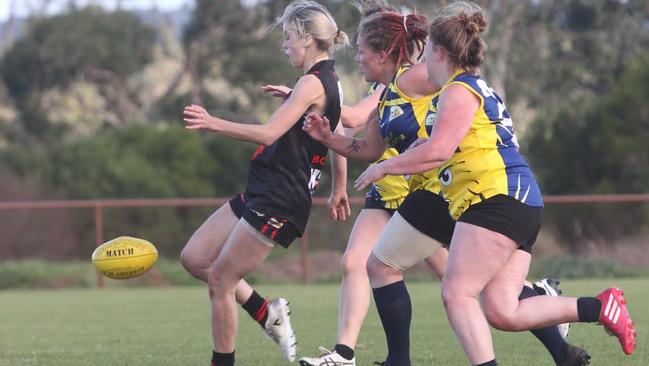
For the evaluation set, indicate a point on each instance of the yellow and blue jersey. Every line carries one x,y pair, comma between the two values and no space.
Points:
402,118
401,122
428,180
487,161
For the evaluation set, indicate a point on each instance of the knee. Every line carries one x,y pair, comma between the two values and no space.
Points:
352,263
217,281
455,298
377,269
449,298
373,266
501,319
186,259
499,310
189,262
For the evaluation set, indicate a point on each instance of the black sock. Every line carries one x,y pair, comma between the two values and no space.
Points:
549,336
489,363
344,351
222,359
395,310
588,309
256,308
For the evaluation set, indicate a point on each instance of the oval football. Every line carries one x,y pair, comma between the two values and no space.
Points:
124,257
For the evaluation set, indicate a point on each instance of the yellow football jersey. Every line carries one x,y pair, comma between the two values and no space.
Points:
487,161
401,122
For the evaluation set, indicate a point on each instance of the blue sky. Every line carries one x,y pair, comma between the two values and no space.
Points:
24,7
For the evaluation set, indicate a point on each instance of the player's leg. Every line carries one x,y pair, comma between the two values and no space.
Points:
206,242
550,287
464,280
508,313
437,262
241,253
203,248
399,247
428,213
205,245
354,297
508,284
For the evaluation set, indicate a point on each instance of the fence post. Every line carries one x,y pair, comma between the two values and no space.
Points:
99,239
304,254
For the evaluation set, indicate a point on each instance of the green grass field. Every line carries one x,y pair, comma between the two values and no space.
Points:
170,326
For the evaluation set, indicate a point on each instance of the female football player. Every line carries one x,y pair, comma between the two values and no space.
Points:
397,129
493,196
284,171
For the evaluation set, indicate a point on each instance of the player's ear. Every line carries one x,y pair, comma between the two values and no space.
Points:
307,40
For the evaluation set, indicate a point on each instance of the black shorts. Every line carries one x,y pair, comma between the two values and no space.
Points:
428,213
372,202
507,216
276,228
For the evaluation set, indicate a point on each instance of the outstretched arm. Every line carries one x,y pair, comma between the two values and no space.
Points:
457,107
306,92
369,148
356,116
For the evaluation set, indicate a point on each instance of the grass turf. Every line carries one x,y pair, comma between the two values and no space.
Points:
170,326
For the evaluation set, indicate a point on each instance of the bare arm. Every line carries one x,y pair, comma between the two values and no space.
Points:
369,148
338,200
414,82
306,93
357,115
457,106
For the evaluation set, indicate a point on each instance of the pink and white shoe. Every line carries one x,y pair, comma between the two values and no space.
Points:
616,319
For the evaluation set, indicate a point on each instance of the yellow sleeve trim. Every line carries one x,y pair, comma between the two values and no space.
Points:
414,101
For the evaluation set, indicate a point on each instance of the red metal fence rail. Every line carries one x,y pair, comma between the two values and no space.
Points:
99,205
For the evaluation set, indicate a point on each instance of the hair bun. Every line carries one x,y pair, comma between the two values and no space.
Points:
341,37
469,23
478,19
457,28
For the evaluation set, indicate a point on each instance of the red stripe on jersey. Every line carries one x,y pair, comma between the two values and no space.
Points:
264,228
274,234
259,151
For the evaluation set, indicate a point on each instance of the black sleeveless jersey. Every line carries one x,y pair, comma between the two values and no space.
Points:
283,176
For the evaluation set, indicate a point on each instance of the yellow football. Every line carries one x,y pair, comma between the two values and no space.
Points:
124,257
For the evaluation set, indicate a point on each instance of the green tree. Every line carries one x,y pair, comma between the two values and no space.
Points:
90,44
231,42
600,148
137,161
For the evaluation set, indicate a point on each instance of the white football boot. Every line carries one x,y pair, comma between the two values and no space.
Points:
278,327
550,287
327,358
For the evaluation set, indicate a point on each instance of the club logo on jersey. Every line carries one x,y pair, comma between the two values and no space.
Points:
395,112
430,119
445,176
318,160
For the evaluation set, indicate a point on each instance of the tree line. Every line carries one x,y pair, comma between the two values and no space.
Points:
91,100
